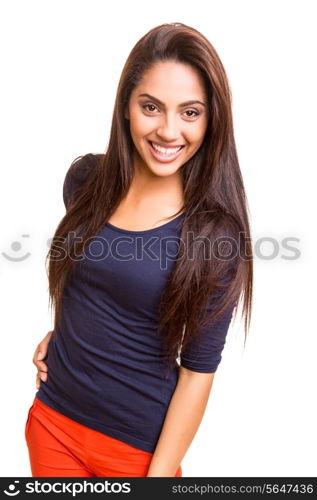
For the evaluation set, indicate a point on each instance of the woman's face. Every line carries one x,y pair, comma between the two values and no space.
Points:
168,117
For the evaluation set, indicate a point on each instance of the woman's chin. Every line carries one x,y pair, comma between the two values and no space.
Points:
162,170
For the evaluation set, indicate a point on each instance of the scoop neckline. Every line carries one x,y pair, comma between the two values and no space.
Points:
129,231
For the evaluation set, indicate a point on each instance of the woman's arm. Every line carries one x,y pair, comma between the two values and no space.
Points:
40,354
184,415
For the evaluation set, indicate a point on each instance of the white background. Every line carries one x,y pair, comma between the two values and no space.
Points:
60,65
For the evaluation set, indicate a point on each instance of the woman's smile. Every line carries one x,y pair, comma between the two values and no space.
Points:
165,154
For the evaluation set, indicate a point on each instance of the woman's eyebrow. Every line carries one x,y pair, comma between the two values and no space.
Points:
187,103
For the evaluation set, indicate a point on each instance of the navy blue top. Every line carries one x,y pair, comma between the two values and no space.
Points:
105,361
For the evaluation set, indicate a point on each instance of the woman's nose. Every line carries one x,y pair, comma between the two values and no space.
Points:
168,129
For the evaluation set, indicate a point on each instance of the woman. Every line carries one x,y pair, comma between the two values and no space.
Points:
145,271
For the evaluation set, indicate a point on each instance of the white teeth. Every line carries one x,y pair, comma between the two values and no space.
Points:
165,151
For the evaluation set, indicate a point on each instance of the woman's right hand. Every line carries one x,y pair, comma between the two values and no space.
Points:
39,355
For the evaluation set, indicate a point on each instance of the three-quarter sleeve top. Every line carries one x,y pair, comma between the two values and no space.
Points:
105,360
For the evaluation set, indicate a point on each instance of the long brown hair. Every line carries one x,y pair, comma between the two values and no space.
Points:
215,207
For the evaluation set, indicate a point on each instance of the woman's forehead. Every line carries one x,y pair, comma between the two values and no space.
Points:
170,78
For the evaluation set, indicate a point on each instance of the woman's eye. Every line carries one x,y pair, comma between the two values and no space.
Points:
194,113
149,107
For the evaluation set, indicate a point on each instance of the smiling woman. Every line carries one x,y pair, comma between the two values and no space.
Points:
137,340
165,126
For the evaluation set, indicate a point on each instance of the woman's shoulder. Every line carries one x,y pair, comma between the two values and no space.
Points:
77,174
82,165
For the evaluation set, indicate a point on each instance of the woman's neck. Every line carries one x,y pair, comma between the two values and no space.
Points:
148,191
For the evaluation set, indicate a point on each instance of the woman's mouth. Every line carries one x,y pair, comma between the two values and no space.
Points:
165,155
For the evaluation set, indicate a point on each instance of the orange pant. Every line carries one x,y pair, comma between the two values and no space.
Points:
60,447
